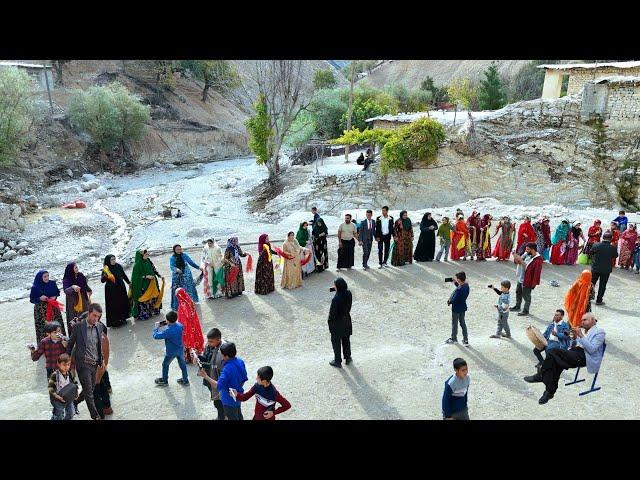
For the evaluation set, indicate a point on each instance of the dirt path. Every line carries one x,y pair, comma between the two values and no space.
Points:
400,361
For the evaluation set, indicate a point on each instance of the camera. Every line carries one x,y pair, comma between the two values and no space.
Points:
63,337
161,323
332,289
489,286
448,279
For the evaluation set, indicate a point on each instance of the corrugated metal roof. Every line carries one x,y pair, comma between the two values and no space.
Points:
618,79
23,65
568,66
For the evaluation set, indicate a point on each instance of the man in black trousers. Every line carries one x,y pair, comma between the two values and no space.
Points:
366,232
384,230
340,323
602,255
85,345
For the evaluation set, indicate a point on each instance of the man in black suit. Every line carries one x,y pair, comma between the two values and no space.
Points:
366,232
384,230
602,255
85,347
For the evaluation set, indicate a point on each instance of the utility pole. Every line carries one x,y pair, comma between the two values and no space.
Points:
350,112
46,78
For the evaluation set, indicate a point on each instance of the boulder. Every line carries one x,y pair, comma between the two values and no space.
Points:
70,173
5,213
101,192
22,224
10,255
1,245
16,211
22,244
72,189
87,177
198,232
88,186
12,225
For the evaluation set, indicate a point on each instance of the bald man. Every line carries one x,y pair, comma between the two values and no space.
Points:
586,349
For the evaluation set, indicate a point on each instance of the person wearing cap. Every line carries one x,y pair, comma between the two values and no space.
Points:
528,273
586,350
602,256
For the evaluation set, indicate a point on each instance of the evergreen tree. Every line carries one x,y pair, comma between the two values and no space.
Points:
491,94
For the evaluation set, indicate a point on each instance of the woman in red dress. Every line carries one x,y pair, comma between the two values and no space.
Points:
526,234
502,251
461,232
593,236
614,240
192,335
559,242
484,249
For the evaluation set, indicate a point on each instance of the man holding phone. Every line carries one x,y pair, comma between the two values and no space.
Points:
458,302
211,362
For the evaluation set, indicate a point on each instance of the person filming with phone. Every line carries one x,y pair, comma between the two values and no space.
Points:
458,302
340,322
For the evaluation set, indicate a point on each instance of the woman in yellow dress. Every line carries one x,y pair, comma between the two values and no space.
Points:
292,271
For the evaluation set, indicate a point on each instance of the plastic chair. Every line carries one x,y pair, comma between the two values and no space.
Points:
595,377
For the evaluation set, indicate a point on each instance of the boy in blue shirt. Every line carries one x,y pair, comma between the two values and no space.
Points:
458,302
171,333
454,399
622,221
230,381
503,309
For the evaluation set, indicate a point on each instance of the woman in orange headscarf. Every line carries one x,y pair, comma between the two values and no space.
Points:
578,299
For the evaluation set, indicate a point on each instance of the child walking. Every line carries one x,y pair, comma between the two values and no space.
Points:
63,409
174,348
503,309
444,235
456,388
51,346
266,396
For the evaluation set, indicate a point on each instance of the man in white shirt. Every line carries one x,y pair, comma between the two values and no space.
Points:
587,351
383,232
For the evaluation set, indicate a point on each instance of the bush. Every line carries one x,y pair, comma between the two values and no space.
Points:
491,93
18,110
362,110
111,115
259,131
527,83
462,92
324,79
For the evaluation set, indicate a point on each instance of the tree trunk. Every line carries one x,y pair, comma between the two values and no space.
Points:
205,92
350,111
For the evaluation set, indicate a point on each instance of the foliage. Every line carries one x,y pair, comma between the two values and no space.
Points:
18,110
259,131
628,184
303,129
402,147
219,75
491,93
110,114
462,92
327,108
362,110
324,79
527,83
359,66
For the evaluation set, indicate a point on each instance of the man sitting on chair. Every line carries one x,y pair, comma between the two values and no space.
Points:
586,350
557,335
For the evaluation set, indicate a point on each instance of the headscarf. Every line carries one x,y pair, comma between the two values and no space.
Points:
319,227
577,298
486,220
71,278
232,244
428,221
262,240
406,222
576,230
179,259
560,234
116,270
302,235
341,285
39,288
141,268
192,336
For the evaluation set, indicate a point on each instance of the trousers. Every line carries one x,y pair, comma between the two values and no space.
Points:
523,293
366,251
458,317
558,360
101,394
461,415
219,408
538,353
384,243
602,286
232,413
87,378
336,342
62,411
503,323
444,248
167,361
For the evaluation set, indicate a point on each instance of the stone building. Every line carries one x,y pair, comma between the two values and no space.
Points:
612,98
581,73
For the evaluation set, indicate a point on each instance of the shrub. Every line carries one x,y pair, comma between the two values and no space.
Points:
491,93
324,79
259,131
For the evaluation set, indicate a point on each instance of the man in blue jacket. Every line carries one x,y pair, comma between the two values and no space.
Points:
456,388
174,348
557,335
233,376
458,302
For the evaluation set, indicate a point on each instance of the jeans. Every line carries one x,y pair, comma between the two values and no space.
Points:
385,241
346,347
232,413
503,323
167,361
558,360
444,248
62,411
219,408
523,293
366,251
87,378
461,415
455,318
538,353
602,286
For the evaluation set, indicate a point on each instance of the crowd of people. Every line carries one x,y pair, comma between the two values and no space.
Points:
84,353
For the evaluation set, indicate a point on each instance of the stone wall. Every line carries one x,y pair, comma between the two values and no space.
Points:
623,102
579,76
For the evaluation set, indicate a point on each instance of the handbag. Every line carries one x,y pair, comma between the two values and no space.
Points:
69,392
583,259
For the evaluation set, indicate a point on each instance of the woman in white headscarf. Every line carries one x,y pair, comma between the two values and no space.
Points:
232,266
212,263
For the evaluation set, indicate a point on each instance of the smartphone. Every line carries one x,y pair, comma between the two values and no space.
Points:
332,289
489,286
448,279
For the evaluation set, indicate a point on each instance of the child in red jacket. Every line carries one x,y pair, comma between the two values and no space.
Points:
266,396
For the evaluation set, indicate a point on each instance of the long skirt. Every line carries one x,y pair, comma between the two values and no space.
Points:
264,276
147,310
310,266
71,301
116,303
572,255
502,250
183,280
457,253
233,289
484,251
291,273
625,258
403,249
426,247
321,253
40,316
558,253
345,254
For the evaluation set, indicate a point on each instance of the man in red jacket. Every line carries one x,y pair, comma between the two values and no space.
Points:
528,273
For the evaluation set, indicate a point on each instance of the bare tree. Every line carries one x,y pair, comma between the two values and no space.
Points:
281,82
58,68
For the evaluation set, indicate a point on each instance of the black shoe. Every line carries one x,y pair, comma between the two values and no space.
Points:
184,383
348,361
161,381
380,267
515,309
465,343
546,396
333,363
523,314
533,378
600,303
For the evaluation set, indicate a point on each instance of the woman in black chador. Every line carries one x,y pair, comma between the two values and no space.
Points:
425,250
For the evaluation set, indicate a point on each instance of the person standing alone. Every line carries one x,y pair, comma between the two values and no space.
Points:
458,302
602,256
528,273
384,228
340,323
366,232
347,235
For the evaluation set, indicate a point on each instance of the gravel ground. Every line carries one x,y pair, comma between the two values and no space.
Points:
400,322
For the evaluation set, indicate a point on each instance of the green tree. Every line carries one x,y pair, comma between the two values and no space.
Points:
462,92
18,110
324,79
218,75
362,110
260,131
110,115
491,93
527,83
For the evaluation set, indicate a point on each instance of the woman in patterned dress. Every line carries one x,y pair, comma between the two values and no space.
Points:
484,248
319,234
44,292
504,245
77,291
144,285
265,282
233,278
181,275
403,240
